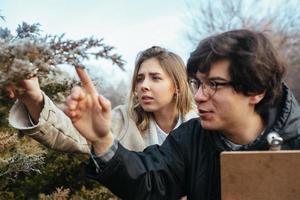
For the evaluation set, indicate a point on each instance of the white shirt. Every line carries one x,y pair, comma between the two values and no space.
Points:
161,135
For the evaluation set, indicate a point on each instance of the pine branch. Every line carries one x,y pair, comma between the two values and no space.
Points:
29,54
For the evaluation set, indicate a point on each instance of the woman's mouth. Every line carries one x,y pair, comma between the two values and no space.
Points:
147,99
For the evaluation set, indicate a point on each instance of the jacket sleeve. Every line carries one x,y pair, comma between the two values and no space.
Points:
118,121
157,173
54,129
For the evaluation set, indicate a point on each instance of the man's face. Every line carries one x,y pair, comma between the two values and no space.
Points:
225,109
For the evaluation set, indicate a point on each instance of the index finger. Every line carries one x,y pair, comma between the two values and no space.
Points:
86,81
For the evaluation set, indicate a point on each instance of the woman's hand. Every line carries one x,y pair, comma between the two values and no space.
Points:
31,96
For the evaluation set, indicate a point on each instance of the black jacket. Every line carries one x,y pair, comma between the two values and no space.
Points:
187,163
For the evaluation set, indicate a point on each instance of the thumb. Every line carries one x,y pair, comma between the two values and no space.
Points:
10,91
105,103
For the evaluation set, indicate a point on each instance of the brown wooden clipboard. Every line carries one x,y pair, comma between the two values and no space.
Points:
260,175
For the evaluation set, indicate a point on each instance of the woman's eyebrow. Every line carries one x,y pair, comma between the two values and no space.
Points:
154,73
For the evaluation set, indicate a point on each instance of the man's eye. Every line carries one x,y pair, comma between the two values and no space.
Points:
156,78
212,84
219,84
199,82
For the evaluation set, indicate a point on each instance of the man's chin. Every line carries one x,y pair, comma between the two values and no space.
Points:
208,125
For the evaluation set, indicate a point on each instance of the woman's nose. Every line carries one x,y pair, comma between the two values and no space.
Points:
145,85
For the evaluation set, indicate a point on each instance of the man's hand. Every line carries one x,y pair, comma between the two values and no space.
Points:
31,96
90,113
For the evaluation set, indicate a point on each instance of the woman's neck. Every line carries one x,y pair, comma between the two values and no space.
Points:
166,119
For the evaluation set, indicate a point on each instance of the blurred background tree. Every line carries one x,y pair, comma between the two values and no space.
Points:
27,169
279,19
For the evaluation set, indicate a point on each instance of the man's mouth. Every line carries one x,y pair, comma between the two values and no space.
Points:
204,112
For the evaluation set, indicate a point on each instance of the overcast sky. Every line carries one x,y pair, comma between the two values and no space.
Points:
130,25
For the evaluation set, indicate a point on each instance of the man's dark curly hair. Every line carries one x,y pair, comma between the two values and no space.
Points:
255,66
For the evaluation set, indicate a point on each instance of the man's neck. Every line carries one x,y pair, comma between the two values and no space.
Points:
246,132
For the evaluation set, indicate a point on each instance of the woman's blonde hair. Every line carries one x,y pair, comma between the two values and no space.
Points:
173,65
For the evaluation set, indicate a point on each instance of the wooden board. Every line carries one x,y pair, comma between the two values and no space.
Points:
260,175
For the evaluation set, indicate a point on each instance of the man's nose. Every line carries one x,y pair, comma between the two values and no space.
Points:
200,96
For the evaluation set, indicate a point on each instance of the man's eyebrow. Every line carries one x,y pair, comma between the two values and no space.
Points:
213,78
217,78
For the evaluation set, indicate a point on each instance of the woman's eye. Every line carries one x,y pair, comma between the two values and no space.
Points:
139,79
156,78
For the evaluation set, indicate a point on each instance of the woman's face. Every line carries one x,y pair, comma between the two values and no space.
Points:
154,87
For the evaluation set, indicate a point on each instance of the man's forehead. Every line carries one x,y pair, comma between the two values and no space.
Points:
217,69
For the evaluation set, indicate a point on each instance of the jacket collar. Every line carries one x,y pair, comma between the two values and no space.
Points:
283,119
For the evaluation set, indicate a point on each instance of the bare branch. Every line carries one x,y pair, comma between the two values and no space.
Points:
280,20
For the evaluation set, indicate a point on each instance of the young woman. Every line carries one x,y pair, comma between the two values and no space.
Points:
159,101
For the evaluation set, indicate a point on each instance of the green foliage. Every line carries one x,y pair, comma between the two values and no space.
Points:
59,194
28,171
5,104
60,171
17,156
6,195
20,162
97,193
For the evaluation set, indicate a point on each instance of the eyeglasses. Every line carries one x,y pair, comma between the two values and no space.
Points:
209,87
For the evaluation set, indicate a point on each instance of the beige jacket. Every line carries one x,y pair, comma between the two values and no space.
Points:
56,131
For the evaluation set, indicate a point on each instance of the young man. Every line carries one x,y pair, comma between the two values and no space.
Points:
237,79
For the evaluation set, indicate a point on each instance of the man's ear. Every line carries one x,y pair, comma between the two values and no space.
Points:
256,98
